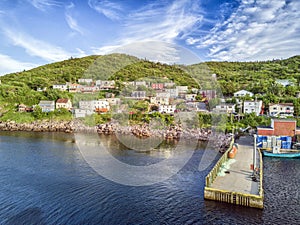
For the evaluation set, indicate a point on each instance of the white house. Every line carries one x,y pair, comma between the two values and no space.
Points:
159,100
95,105
138,94
242,93
252,107
284,82
62,87
85,80
47,106
113,101
101,106
63,103
105,84
166,108
162,94
173,92
224,108
190,97
282,109
83,112
88,105
182,89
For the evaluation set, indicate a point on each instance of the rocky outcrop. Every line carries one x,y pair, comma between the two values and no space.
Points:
41,126
175,132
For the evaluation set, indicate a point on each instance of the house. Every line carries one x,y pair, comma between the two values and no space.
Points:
284,82
88,105
242,93
24,108
39,89
169,84
63,103
208,94
157,86
138,94
101,106
105,84
182,89
113,101
88,89
224,108
173,92
252,107
190,97
170,109
282,109
61,87
85,81
79,113
159,100
47,106
279,127
138,83
162,94
95,105
75,88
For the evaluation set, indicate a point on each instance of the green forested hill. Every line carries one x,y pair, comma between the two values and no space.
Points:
257,77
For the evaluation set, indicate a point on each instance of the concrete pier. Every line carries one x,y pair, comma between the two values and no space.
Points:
230,180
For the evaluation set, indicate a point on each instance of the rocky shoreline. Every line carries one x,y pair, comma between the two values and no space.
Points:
174,132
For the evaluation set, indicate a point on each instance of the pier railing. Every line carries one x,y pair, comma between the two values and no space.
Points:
209,179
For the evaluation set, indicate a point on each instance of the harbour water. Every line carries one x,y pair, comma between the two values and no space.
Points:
45,180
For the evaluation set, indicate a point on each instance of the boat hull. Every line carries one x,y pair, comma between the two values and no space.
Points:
282,155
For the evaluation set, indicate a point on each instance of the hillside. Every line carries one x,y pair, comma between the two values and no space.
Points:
257,77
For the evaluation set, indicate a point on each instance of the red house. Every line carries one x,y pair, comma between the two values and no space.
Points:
157,86
280,127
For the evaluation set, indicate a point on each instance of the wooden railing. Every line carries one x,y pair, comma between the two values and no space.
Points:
209,179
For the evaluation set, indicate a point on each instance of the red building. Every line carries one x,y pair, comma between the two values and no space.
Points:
157,86
280,127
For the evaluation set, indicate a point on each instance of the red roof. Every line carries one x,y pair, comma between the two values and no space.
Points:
62,100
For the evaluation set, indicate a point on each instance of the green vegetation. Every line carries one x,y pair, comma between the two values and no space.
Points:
257,77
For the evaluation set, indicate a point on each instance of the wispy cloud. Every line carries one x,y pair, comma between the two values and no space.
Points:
35,47
164,22
257,30
9,65
108,8
152,31
71,21
44,4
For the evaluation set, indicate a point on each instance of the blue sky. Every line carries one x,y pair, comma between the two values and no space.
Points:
36,32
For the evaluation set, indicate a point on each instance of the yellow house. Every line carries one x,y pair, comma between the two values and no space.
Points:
64,103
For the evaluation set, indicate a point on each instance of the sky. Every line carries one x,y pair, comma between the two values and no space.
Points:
37,32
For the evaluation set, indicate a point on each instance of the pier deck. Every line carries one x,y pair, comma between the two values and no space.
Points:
236,185
239,178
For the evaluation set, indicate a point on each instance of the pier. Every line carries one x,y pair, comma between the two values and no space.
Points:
231,180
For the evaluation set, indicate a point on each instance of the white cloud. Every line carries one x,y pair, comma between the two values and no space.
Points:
71,21
44,4
9,65
110,9
156,51
258,30
35,47
152,31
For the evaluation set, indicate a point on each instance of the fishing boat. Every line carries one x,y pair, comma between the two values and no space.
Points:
292,154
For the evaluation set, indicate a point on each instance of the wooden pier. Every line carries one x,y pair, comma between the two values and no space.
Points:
230,180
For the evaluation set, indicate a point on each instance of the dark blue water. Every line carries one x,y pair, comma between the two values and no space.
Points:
45,180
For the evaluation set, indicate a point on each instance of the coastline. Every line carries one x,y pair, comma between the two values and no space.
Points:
174,132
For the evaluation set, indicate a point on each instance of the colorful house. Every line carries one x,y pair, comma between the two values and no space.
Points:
63,103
